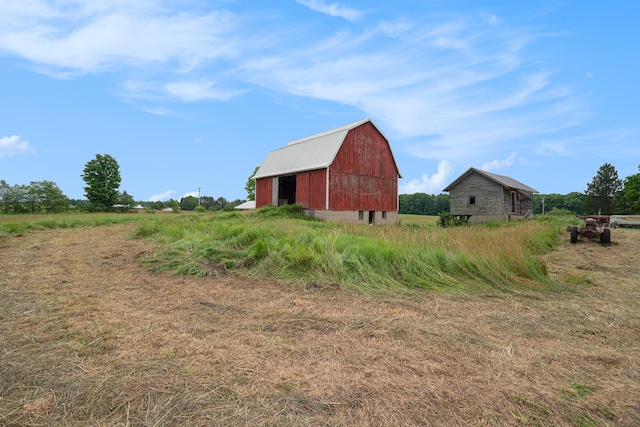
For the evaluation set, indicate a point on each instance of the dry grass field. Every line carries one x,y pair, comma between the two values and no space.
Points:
90,337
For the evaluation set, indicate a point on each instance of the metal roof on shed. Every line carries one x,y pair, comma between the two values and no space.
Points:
505,181
312,152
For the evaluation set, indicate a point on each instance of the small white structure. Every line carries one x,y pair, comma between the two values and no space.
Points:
625,221
249,205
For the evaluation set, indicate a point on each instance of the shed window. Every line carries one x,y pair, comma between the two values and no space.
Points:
384,214
360,214
472,200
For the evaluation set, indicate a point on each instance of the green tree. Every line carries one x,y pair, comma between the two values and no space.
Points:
603,191
45,196
574,202
102,176
188,203
423,204
631,194
250,186
5,195
207,202
126,200
158,205
13,197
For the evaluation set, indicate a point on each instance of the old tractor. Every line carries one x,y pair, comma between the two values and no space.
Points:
595,227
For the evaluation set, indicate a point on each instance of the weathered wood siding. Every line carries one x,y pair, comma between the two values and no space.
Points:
489,197
363,176
311,189
264,192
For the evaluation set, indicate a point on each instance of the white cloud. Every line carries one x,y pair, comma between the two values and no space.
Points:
429,184
467,86
190,91
466,92
15,144
86,37
162,196
333,9
191,194
500,164
158,111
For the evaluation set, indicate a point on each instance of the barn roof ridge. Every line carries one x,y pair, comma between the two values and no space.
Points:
500,179
312,152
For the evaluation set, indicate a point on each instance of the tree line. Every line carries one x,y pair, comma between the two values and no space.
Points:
36,197
102,191
606,194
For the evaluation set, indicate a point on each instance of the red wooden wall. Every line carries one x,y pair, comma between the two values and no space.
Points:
363,175
311,189
263,192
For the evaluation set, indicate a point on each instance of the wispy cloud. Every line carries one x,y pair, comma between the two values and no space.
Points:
161,197
429,184
459,91
190,91
13,145
75,38
190,194
332,9
500,164
461,88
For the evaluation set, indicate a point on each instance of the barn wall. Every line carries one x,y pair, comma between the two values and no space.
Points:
263,192
363,176
311,189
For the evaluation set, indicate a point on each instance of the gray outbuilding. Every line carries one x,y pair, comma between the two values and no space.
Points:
482,196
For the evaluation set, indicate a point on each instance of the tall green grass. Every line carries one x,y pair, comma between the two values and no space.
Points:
23,223
284,244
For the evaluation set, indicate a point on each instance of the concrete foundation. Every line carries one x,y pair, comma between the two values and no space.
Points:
355,217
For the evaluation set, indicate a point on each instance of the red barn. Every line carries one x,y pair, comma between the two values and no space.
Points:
347,174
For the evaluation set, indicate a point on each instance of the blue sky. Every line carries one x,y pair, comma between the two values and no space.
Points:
194,94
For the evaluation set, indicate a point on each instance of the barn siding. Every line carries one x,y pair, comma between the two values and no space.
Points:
492,199
317,189
302,189
488,194
263,192
311,189
363,176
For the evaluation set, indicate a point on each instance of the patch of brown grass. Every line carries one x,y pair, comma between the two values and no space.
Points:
88,337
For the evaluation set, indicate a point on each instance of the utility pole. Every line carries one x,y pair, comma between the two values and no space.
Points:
198,196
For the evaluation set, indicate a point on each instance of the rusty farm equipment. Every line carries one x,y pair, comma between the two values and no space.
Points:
595,227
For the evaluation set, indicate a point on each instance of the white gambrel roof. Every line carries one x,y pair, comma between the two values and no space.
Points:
312,152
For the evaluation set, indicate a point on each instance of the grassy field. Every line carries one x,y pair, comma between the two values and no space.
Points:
284,244
214,320
12,224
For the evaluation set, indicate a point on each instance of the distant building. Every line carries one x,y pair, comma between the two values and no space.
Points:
347,174
482,196
248,205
